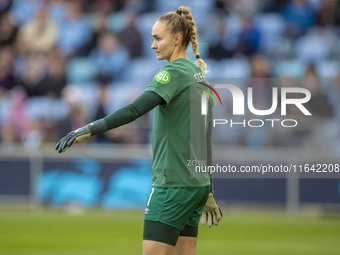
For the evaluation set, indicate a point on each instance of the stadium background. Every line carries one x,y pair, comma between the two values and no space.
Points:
64,64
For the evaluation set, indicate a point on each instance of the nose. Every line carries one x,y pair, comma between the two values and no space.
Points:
153,45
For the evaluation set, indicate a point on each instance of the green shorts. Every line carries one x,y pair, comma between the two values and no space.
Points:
179,209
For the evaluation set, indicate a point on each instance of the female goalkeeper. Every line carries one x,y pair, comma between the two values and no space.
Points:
181,140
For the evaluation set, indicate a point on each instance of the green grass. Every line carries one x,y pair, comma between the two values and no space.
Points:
52,232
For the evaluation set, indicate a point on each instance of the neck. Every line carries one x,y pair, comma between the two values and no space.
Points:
181,53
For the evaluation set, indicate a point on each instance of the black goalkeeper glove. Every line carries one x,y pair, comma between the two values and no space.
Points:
81,134
212,213
75,136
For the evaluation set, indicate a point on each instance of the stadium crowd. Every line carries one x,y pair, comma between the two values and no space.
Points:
65,63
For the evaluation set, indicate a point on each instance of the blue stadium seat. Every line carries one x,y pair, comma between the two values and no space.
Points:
80,70
198,7
229,68
166,6
335,50
117,21
312,48
270,24
271,27
281,48
121,94
213,67
203,49
46,107
141,71
328,69
144,25
5,105
234,26
235,68
289,68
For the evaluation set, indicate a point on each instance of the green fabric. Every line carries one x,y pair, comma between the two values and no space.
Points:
189,231
179,129
160,232
98,127
144,103
176,207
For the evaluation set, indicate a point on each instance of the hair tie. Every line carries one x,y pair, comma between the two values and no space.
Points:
198,56
179,12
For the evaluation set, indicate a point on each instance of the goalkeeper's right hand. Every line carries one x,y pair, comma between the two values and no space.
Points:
75,136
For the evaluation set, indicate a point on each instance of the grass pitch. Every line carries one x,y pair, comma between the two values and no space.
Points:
52,232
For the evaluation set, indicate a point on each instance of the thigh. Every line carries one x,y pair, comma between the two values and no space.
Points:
157,248
185,246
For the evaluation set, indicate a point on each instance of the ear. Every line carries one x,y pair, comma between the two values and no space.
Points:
178,39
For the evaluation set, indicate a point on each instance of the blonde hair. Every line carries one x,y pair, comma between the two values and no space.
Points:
182,22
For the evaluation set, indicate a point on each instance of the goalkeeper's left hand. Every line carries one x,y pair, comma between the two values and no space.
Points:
76,136
211,214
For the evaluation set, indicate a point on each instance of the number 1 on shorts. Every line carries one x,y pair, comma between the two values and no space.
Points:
150,196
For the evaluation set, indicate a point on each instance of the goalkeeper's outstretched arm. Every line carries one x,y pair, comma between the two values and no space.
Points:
143,104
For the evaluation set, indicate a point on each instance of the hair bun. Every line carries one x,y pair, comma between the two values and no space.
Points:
179,12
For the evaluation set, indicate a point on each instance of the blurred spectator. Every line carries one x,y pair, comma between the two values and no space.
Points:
319,104
40,34
107,6
35,135
109,57
260,82
137,6
222,5
249,37
57,10
299,16
328,13
23,11
99,26
262,99
76,116
103,87
5,5
131,37
16,122
102,6
34,71
260,66
54,80
273,6
219,43
334,95
249,7
8,30
74,32
7,81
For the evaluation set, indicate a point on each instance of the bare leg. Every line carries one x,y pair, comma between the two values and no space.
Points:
185,245
157,248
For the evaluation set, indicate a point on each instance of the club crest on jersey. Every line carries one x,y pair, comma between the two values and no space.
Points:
163,77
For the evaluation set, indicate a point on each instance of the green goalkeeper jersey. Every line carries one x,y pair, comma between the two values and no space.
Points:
179,128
